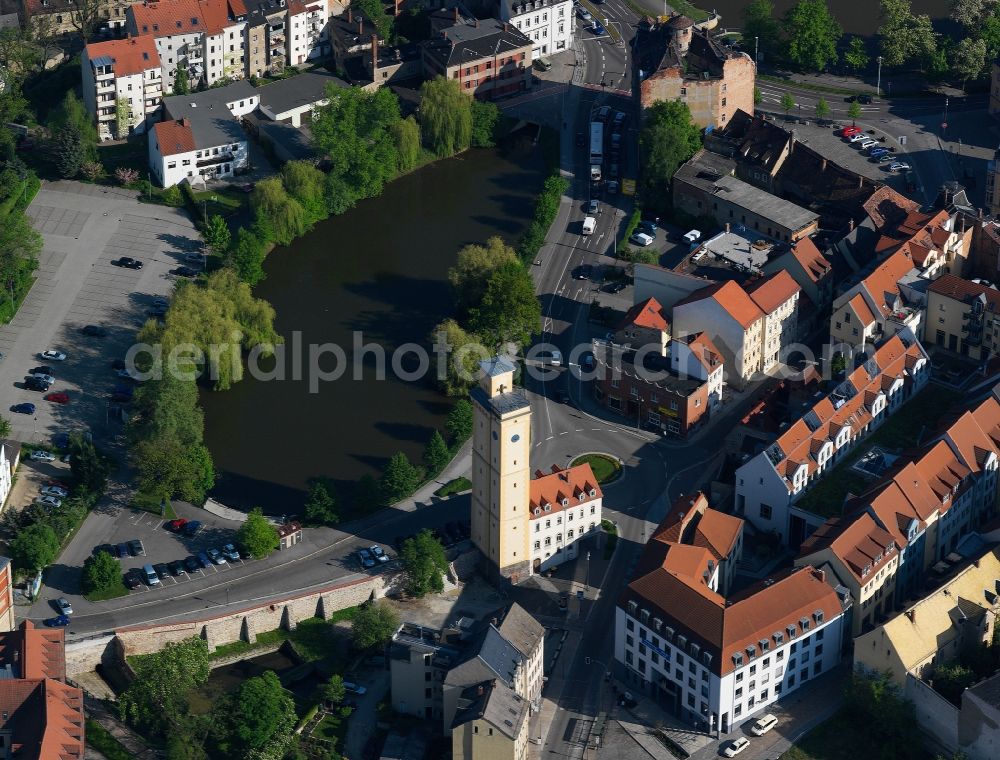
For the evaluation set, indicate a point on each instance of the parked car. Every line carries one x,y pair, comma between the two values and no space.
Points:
647,227
848,131
616,287
51,355
216,556
899,167
33,383
641,239
177,567
366,559
379,555
40,455
886,157
192,565
619,119
23,408
59,621
192,527
127,262
106,548
133,578
353,688
54,490
584,14
878,151
42,370
60,397
736,746
763,725
229,552
552,357
63,605
184,272
204,560
602,113
162,571
583,272
857,137
50,502
598,30
47,379
613,187
592,206
177,525
136,549
122,549
94,331
865,144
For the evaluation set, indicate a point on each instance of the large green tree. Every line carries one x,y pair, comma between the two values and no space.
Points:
399,479
320,506
436,454
509,311
970,13
261,718
874,700
101,573
247,254
462,360
256,536
459,422
445,116
286,215
668,139
424,563
759,22
217,235
306,184
156,700
904,38
373,625
68,151
485,118
856,55
813,34
473,268
34,547
406,133
969,59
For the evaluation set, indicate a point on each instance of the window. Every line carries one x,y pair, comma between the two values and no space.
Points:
765,512
739,693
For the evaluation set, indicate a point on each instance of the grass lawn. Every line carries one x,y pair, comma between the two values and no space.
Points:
111,593
132,154
839,738
332,728
99,738
223,203
312,638
150,503
900,431
606,469
454,486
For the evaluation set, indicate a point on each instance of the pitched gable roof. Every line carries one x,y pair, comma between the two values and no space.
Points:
861,310
965,291
649,314
174,137
573,483
134,55
771,292
811,260
731,298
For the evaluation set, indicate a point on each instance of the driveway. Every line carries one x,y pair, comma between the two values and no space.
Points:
84,227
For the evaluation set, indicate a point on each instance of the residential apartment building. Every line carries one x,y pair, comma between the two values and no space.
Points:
705,186
715,659
777,296
646,323
490,59
10,454
770,483
688,64
443,675
696,356
202,138
6,595
963,316
41,716
64,15
565,506
547,23
813,273
642,386
122,85
861,556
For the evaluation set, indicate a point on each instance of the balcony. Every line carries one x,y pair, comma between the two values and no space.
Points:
222,158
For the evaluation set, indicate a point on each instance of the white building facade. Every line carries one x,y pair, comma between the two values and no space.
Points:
556,529
547,23
122,85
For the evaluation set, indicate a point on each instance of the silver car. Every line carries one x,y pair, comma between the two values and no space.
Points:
64,606
365,558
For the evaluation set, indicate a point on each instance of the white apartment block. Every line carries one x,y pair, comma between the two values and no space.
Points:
769,484
547,23
122,85
696,356
565,506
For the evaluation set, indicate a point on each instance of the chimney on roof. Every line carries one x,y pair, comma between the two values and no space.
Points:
791,143
505,27
912,615
822,165
861,181
494,621
479,690
374,55
850,225
727,232
350,16
185,122
819,575
457,15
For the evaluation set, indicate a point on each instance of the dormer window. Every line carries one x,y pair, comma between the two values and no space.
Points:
565,502
682,642
694,649
668,632
790,629
738,660
548,507
818,616
764,645
779,638
593,493
706,657
632,608
751,651
657,624
538,511
804,622
644,616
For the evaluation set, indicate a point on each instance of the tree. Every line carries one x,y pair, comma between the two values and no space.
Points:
813,34
72,114
424,563
123,117
68,151
970,13
216,234
759,22
261,718
473,268
458,425
86,17
92,170
285,214
256,536
247,256
19,56
374,11
445,116
126,176
462,364
333,691
182,85
951,680
873,700
436,454
156,699
35,547
101,573
822,109
668,139
758,97
406,133
905,38
856,55
373,625
854,111
399,479
509,311
787,103
989,32
4,427
306,184
485,118
320,507
970,59
90,469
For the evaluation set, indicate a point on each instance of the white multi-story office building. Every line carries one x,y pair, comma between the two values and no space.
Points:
547,23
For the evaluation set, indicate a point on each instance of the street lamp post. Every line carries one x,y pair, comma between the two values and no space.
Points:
944,122
756,48
878,81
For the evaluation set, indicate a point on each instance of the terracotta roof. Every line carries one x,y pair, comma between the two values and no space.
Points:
771,292
572,483
733,300
887,207
168,17
649,314
811,260
214,15
704,350
174,137
861,545
130,56
861,310
965,290
883,283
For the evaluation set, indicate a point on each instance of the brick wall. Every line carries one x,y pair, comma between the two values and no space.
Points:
712,101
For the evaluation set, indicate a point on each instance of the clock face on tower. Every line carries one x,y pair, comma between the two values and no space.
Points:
515,438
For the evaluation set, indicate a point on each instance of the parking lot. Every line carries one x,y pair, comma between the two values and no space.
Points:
84,228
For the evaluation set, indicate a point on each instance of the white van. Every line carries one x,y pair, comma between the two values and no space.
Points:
589,223
152,579
692,237
762,726
595,173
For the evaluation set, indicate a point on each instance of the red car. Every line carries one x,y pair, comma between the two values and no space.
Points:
177,525
58,398
848,131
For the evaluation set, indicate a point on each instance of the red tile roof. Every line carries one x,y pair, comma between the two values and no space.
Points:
731,298
965,290
883,283
811,260
773,291
861,310
704,350
174,137
130,56
860,544
576,484
885,206
168,17
649,314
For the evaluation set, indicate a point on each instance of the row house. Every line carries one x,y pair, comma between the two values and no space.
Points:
548,23
565,507
122,85
769,484
748,325
695,356
489,59
63,17
645,323
714,660
813,272
963,316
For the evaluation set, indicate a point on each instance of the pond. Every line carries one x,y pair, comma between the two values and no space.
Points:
375,275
